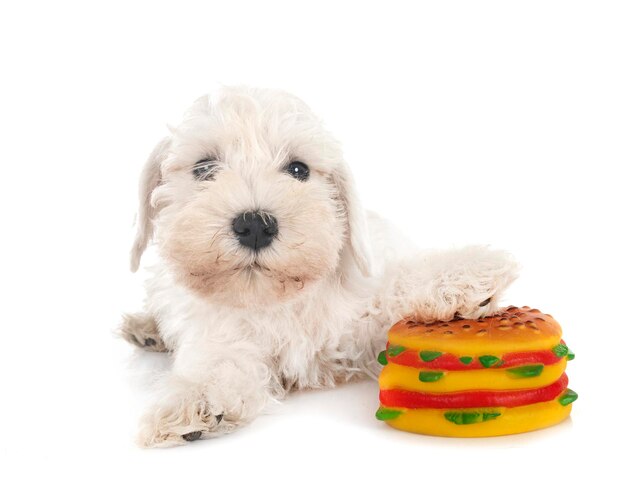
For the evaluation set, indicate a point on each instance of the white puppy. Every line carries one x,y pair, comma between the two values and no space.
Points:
272,277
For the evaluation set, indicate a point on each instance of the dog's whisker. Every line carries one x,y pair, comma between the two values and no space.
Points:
215,235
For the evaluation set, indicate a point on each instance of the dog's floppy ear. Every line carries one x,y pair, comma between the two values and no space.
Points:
150,178
358,233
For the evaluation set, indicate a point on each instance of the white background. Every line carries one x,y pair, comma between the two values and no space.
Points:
465,122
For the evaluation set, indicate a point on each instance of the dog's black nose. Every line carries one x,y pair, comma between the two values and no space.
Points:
255,230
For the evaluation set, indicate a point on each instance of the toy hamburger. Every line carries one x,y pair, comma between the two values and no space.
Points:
498,375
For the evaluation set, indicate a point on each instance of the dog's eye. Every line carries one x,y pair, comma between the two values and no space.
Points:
205,169
298,170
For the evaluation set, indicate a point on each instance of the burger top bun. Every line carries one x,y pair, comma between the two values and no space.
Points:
512,330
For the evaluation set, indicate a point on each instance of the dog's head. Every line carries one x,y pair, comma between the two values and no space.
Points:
250,200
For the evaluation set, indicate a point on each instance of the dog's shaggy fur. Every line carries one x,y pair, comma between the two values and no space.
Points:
310,310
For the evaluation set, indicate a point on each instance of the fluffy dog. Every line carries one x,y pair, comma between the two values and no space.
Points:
271,275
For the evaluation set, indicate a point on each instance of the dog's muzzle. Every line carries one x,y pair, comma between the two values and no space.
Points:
255,230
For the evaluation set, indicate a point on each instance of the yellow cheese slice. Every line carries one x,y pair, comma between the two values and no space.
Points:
400,377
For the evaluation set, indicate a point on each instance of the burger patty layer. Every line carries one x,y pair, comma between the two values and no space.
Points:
471,399
401,377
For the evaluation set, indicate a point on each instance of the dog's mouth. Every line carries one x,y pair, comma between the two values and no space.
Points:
253,266
247,283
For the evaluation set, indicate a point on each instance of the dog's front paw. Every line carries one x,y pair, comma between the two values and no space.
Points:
482,276
188,412
463,283
141,330
177,424
472,311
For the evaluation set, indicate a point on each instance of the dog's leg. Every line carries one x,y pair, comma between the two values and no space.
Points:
212,390
141,330
439,285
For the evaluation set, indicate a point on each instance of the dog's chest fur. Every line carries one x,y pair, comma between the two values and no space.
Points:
309,343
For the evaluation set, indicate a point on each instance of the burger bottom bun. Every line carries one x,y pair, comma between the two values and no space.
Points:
431,421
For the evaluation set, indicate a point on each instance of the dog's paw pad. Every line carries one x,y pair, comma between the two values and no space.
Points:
149,342
219,417
192,436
